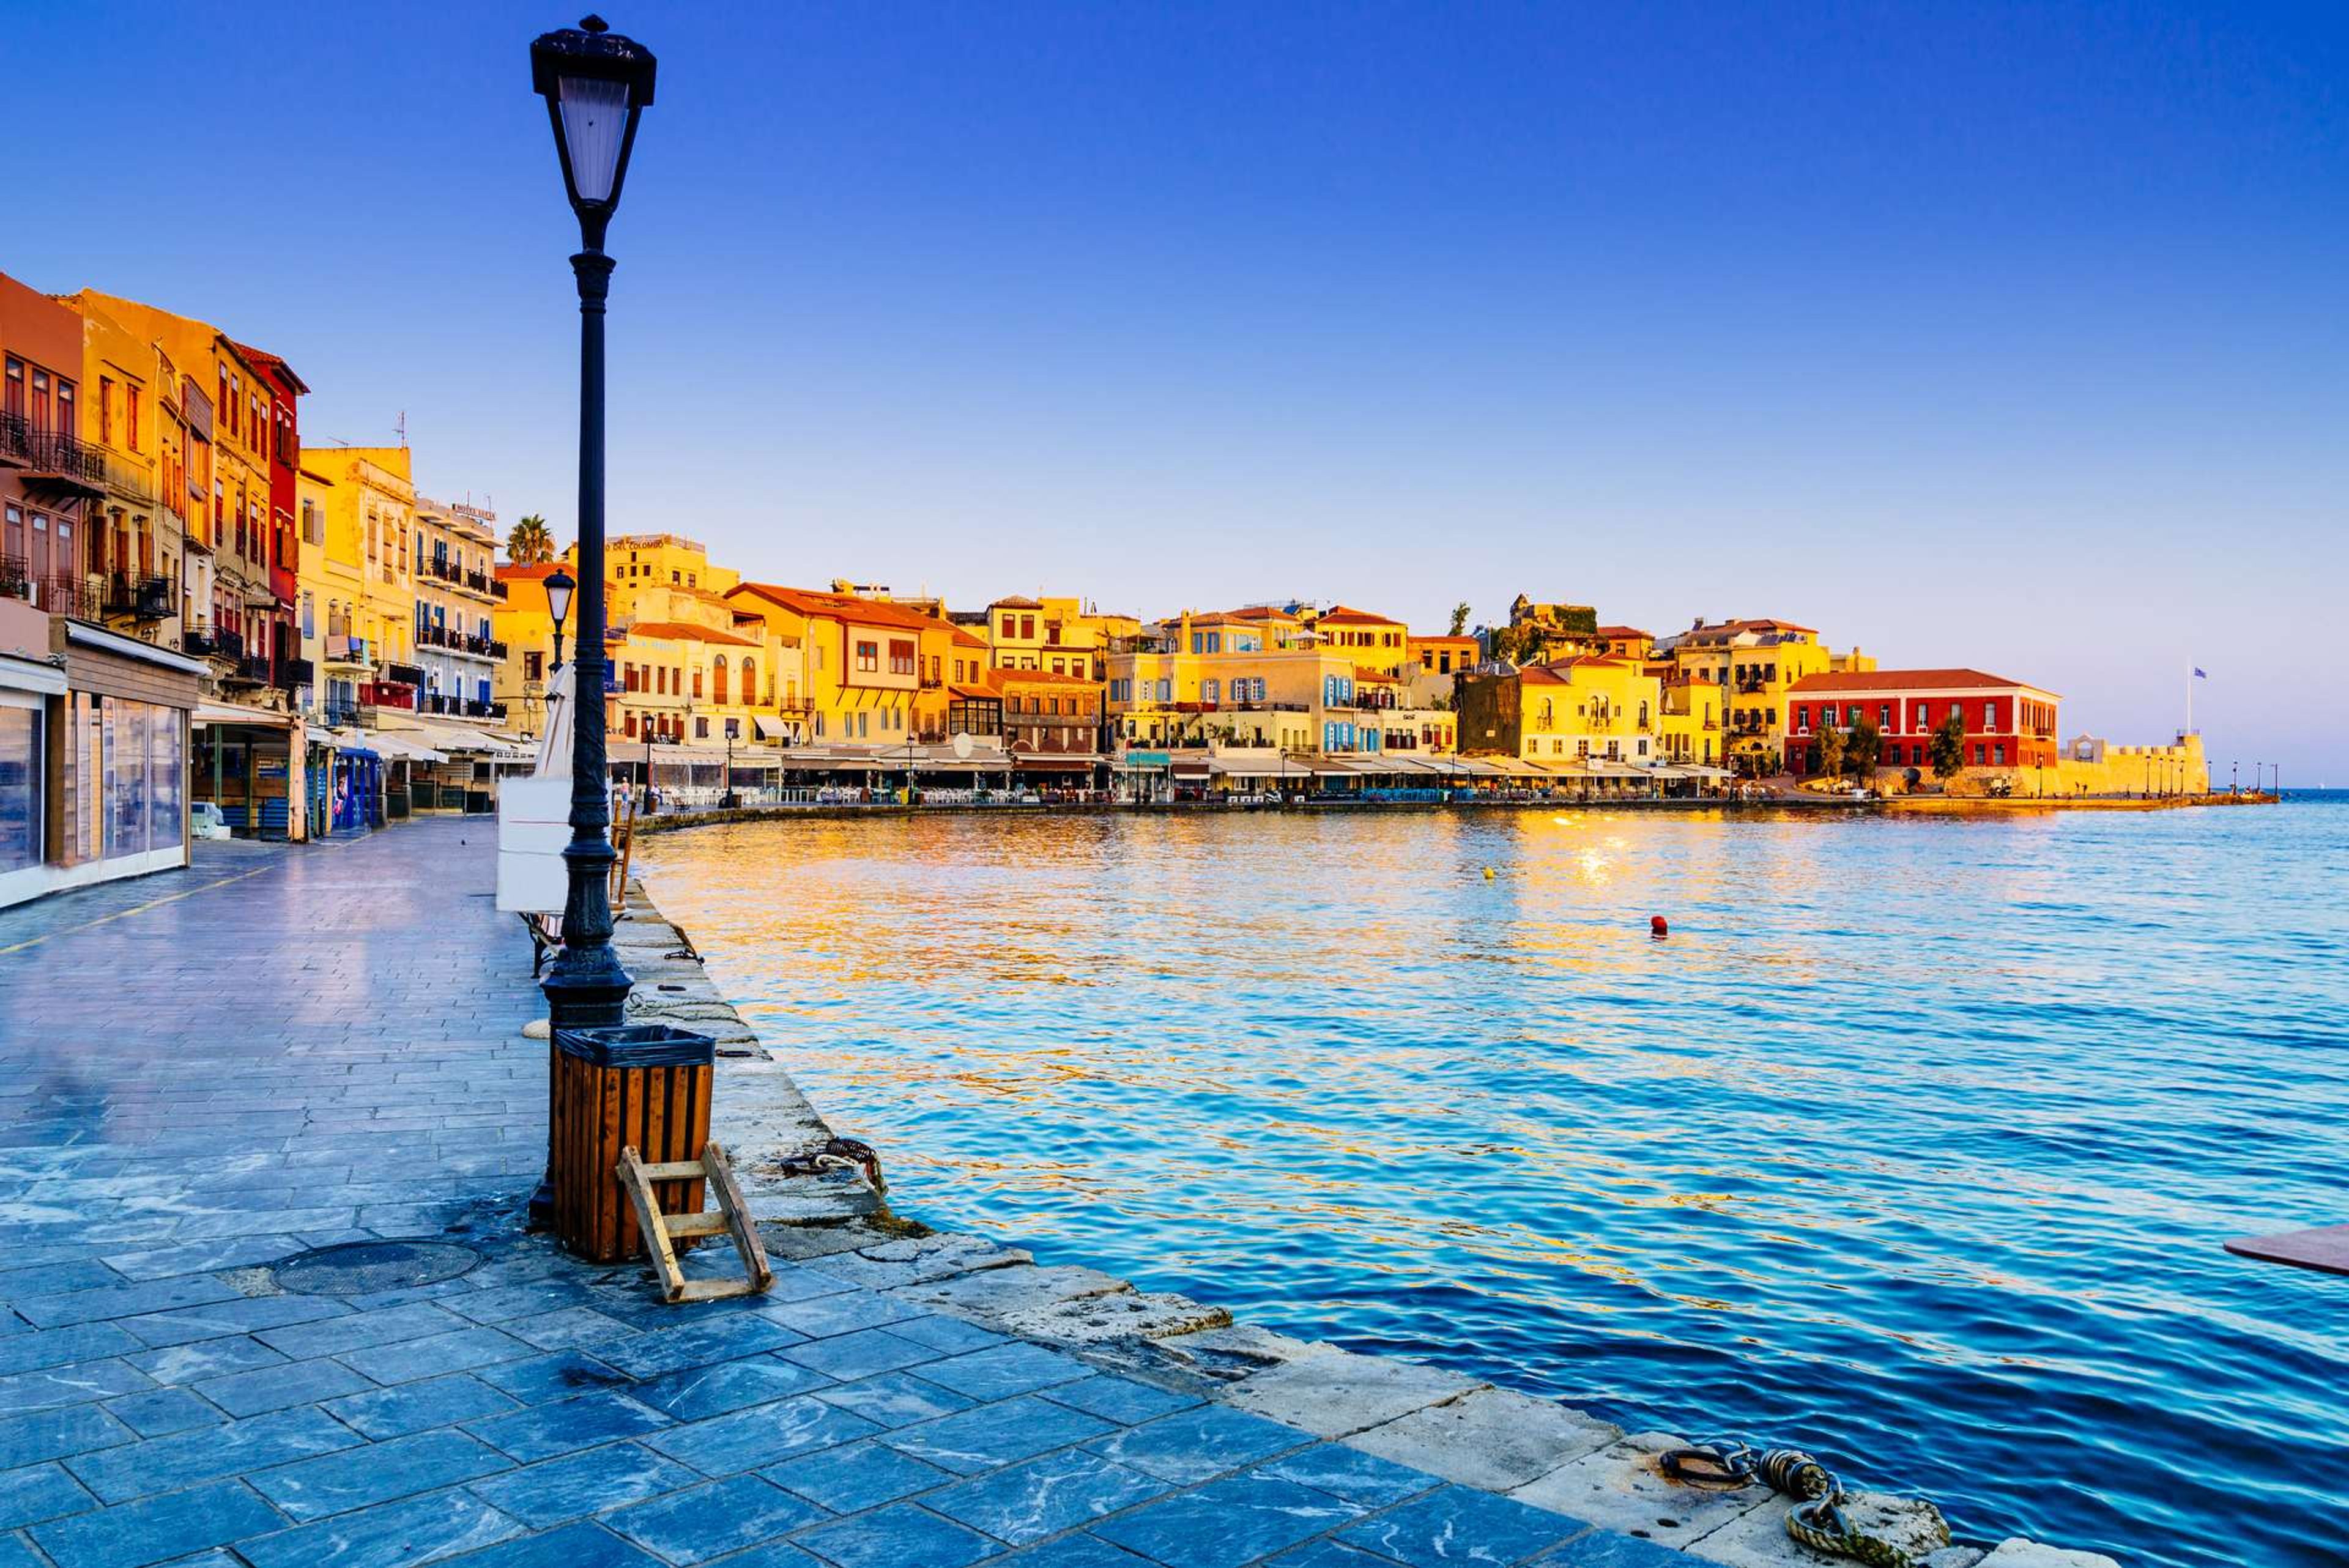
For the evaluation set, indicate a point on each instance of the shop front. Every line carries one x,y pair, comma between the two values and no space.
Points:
93,755
250,763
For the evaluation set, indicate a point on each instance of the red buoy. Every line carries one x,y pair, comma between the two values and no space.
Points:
1657,928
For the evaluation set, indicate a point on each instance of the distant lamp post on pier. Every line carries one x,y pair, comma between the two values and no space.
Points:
595,83
558,587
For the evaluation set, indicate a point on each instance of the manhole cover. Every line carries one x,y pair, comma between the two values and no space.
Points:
358,1268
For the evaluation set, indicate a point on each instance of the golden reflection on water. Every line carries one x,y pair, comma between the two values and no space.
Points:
1853,1116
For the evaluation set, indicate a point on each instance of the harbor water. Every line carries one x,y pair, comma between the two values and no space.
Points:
1914,1144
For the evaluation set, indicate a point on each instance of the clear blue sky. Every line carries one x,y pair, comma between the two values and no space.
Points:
2011,336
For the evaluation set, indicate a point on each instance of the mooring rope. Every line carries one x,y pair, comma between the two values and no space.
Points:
1817,1519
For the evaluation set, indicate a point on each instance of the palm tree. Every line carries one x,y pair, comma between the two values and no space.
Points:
529,543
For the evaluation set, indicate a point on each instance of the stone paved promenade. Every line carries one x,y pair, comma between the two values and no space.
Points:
208,1072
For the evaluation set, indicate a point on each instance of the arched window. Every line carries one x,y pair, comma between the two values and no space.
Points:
750,681
717,679
1546,713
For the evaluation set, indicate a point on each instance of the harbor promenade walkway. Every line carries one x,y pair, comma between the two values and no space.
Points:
209,1072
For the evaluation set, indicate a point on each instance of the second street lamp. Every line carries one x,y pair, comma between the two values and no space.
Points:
595,83
558,587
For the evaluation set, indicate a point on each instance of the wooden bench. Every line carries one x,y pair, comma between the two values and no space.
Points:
545,937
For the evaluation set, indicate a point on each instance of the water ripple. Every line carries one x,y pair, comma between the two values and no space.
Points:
1915,1143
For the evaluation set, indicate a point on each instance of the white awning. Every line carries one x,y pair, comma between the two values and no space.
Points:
207,713
396,748
768,724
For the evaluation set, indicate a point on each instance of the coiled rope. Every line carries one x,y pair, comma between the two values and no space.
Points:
1817,1519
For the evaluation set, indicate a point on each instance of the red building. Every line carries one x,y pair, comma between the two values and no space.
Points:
285,541
2007,724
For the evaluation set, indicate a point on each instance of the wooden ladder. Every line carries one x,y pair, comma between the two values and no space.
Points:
731,1217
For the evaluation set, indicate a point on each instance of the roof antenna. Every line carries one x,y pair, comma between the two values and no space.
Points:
402,427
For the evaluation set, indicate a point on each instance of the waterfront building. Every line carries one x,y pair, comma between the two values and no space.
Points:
1217,680
456,595
1443,654
330,589
94,746
1588,714
666,560
1689,730
369,496
520,622
1051,725
1755,663
280,440
2007,724
133,541
238,620
873,671
50,481
234,428
1059,635
1375,643
1623,643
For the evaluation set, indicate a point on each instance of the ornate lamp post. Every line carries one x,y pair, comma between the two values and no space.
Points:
595,84
558,587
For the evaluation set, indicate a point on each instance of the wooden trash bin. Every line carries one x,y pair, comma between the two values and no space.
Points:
641,1085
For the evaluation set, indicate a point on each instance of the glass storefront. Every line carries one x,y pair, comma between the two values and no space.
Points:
20,783
125,775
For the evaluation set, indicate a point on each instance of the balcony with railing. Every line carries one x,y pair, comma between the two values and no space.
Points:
339,713
53,464
213,643
294,674
497,588
388,693
135,598
253,669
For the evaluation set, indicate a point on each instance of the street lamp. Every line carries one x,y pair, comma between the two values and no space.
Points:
595,83
558,606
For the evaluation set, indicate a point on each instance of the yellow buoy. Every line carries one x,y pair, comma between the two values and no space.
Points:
1488,874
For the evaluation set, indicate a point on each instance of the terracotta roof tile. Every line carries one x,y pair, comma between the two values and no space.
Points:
1957,678
683,631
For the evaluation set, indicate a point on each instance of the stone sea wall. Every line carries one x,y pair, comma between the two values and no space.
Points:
1466,1429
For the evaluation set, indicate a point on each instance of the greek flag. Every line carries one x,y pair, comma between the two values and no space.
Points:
2200,673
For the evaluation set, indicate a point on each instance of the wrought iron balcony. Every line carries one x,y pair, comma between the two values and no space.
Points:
295,673
15,581
60,465
339,713
138,598
251,670
497,588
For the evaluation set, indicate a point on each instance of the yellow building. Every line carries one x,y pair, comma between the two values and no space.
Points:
869,670
1752,663
331,590
1211,680
1588,709
369,499
523,626
1690,727
1372,642
1054,635
1446,654
231,607
636,560
134,534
